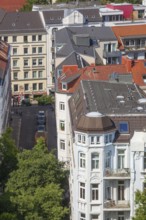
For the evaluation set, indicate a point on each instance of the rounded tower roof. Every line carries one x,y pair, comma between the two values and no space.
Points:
95,121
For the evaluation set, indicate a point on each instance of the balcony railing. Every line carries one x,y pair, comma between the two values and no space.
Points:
136,46
112,204
107,54
125,172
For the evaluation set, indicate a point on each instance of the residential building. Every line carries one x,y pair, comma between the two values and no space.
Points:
66,85
5,86
132,40
26,34
85,46
107,149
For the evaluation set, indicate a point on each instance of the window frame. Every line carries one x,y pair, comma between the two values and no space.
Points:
62,125
94,192
62,106
122,131
82,160
82,190
62,144
94,161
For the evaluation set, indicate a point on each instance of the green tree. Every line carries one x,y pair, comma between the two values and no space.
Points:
8,156
45,100
29,4
140,201
38,186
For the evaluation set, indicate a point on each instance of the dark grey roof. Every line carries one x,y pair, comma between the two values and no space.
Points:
91,14
113,98
65,37
74,59
21,22
53,17
71,78
2,14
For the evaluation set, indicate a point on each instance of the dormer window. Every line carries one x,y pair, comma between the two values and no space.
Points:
123,127
64,86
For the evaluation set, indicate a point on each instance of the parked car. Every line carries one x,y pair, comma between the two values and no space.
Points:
41,114
41,133
41,128
41,120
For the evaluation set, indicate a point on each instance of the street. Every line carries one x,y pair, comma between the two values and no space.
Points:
24,125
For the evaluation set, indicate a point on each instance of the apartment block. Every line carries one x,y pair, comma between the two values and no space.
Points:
26,34
5,86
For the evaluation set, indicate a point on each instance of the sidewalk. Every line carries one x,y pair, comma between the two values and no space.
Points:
16,126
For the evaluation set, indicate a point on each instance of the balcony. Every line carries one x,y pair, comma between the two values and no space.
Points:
117,173
112,204
135,47
107,54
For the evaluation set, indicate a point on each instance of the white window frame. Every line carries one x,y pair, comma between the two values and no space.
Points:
40,74
82,160
108,159
33,50
40,61
15,51
94,192
40,85
34,74
82,190
34,86
15,63
62,144
26,62
62,106
94,217
25,52
121,158
40,50
34,62
25,73
82,216
62,125
94,161
106,138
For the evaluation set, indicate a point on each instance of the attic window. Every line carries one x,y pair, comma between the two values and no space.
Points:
123,127
64,86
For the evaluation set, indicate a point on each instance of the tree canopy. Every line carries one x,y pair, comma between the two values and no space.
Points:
8,156
140,201
37,187
29,4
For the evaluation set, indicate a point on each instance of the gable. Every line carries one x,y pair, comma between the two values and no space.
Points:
74,18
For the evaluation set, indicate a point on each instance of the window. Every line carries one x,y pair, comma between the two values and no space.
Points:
62,125
62,106
144,78
64,86
40,38
14,38
121,158
25,50
123,127
33,49
94,192
26,87
62,144
82,216
94,140
40,74
121,190
82,190
25,39
94,217
33,37
25,75
110,138
14,51
15,87
34,86
106,139
34,62
81,139
40,50
144,160
34,74
108,193
121,216
15,63
40,61
25,62
5,38
144,185
15,75
40,86
82,160
108,160
95,160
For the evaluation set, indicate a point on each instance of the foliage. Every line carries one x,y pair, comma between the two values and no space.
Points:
8,156
37,187
140,201
29,4
45,100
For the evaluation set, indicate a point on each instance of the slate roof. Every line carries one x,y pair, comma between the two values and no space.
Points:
21,22
12,5
65,37
55,16
116,102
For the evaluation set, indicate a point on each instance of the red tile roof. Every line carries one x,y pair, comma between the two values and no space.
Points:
12,5
131,30
90,73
